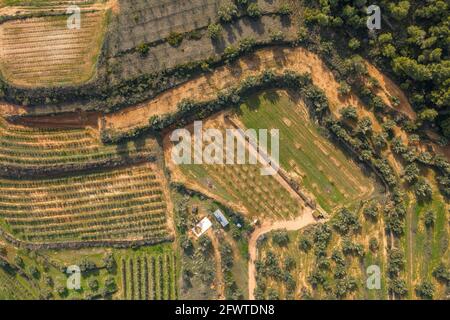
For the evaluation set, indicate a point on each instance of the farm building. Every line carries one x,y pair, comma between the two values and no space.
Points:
202,227
221,218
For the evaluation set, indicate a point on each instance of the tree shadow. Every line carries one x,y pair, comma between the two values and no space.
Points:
286,21
122,150
272,96
255,24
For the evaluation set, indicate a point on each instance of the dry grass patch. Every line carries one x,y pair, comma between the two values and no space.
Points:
43,52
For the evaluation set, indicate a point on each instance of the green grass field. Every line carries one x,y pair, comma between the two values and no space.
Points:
323,169
15,287
428,245
148,273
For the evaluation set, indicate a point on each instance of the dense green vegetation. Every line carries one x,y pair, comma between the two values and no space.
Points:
412,44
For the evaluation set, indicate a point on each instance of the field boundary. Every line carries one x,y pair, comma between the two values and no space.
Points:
120,244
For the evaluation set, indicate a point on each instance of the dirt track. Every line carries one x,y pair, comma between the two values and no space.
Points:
291,225
205,87
218,259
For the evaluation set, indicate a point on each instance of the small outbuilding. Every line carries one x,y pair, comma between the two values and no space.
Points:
202,227
221,218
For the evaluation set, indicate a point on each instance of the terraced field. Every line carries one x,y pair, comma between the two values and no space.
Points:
14,287
43,51
240,184
124,204
149,277
37,148
33,6
308,157
427,244
152,20
260,195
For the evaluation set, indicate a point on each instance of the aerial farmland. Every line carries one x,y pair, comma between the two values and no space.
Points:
224,150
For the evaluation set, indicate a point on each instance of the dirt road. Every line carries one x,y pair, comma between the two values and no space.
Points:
218,259
205,87
291,225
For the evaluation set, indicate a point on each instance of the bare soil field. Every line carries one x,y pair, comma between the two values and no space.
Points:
205,87
18,8
162,56
150,21
42,51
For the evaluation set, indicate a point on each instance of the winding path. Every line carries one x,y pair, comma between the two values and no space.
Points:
206,87
291,225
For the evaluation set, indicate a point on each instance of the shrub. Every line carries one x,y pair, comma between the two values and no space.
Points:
349,113
186,244
338,258
340,272
396,262
425,290
344,88
110,262
19,261
351,248
34,272
215,31
194,35
345,221
87,265
93,284
276,36
322,234
175,39
373,245
380,140
429,219
242,3
143,49
62,291
364,126
285,9
371,212
423,190
110,284
289,263
344,286
411,173
228,12
398,287
354,44
253,10
281,238
304,244
205,244
441,273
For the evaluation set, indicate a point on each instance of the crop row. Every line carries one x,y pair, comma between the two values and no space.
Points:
246,183
28,146
25,42
149,277
112,205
